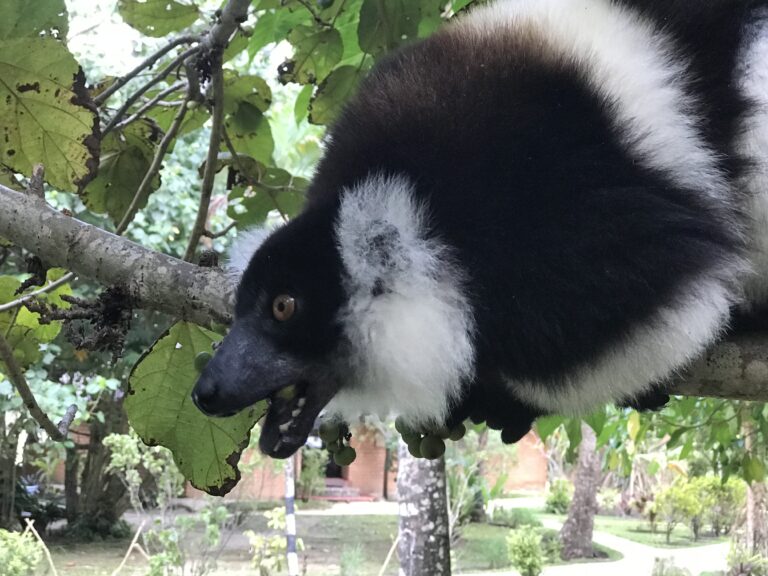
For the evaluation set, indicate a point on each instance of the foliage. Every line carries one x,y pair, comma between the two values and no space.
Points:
494,552
666,567
608,501
269,550
559,496
311,478
205,449
36,500
514,517
20,553
741,562
678,503
351,561
525,552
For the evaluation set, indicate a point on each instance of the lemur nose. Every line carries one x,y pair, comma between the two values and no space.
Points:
204,395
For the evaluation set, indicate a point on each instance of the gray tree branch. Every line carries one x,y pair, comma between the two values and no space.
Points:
154,281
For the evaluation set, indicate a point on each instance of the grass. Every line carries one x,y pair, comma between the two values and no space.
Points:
638,530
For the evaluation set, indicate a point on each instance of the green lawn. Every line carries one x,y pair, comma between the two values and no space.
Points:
637,530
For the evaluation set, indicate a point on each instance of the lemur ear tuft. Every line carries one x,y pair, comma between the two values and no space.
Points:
244,247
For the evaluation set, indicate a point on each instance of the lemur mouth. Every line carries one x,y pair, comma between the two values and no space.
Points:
291,417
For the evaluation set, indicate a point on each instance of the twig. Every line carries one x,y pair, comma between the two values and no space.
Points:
31,528
130,549
67,419
175,63
315,16
35,186
153,169
213,235
147,63
389,555
206,188
151,103
48,288
16,376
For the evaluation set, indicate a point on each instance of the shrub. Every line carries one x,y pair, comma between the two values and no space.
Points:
559,496
514,517
311,479
20,553
609,501
666,567
722,502
525,552
743,563
494,552
677,504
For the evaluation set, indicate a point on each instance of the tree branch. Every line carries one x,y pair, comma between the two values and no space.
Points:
151,104
16,376
206,188
153,281
47,288
147,63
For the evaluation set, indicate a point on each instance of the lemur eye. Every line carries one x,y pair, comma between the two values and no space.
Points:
283,307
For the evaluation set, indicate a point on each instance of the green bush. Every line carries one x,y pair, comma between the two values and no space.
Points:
525,551
559,496
609,501
514,517
677,504
494,552
311,479
19,553
743,563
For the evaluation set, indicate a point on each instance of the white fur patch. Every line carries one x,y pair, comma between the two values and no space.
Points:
407,319
651,353
754,145
632,65
244,247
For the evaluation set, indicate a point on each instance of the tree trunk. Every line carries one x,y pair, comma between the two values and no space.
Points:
424,546
756,530
576,534
8,443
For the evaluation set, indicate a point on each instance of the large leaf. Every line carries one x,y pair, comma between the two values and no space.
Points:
250,132
125,159
315,53
25,19
386,25
331,95
157,18
275,24
160,409
45,113
251,89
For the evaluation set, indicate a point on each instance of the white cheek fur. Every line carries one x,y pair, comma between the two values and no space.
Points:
407,320
244,247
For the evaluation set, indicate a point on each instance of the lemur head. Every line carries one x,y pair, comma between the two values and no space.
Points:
351,306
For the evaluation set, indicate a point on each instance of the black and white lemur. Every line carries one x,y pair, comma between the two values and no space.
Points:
546,206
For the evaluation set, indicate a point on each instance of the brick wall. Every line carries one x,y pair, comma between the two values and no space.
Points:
526,467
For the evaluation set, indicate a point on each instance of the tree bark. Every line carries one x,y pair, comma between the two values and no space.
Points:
424,541
576,534
756,525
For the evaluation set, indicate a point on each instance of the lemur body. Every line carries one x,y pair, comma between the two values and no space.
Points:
546,206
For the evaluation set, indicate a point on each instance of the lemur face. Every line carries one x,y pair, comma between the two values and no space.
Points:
280,346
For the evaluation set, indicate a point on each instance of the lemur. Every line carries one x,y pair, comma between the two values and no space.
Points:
546,206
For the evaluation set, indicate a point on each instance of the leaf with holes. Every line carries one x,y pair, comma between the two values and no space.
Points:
125,159
157,18
332,94
160,408
25,19
45,113
250,132
315,54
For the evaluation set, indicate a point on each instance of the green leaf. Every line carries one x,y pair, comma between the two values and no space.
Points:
250,132
251,89
25,19
573,430
274,26
45,113
125,158
301,107
753,469
160,409
21,327
633,425
721,432
546,425
315,54
597,421
687,448
157,18
386,25
674,437
332,94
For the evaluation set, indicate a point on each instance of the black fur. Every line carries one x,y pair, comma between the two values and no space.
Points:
566,239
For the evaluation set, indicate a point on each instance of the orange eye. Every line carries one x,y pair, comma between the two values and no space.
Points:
283,307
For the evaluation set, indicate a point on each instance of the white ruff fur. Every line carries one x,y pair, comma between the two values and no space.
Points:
411,344
244,247
651,353
632,66
754,145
